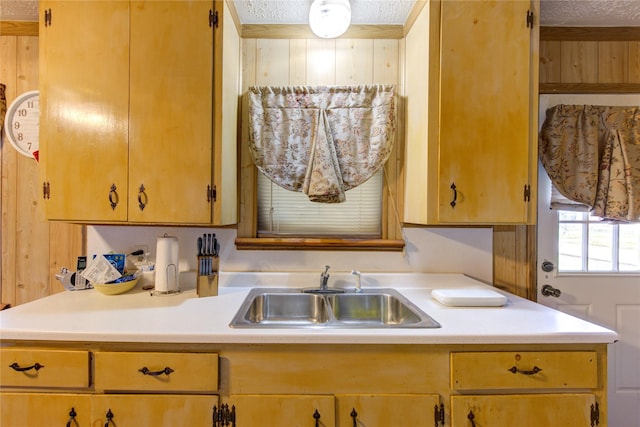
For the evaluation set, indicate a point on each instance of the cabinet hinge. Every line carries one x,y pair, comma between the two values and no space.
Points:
595,414
212,193
46,190
213,18
224,416
527,193
438,412
47,17
529,19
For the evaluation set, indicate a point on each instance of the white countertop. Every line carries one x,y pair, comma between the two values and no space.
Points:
136,316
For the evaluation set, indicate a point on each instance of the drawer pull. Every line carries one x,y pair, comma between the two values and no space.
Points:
16,367
146,371
109,416
72,418
471,418
316,416
533,371
354,415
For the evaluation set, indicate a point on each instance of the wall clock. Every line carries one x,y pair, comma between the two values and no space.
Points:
22,124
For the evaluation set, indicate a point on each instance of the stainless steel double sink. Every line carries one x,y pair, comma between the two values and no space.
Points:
294,308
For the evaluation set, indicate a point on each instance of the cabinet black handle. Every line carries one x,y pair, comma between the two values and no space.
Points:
109,416
113,196
165,371
515,370
316,416
72,417
471,418
16,367
354,415
455,195
142,197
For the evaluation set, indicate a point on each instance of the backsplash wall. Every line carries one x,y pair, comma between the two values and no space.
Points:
427,250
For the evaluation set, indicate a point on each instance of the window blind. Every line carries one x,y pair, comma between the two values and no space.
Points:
288,213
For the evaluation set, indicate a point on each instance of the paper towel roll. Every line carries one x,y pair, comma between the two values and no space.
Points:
167,264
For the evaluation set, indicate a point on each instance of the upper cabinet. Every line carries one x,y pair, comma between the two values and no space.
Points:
129,129
471,89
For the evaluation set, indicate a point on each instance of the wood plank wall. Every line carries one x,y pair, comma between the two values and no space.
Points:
600,60
33,250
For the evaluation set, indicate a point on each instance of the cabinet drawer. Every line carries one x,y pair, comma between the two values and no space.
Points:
23,367
524,370
195,372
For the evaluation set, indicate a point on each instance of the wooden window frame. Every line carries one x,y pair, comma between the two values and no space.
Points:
392,205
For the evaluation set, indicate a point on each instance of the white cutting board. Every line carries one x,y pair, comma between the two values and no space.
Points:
472,297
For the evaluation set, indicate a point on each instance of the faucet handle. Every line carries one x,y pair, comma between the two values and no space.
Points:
326,270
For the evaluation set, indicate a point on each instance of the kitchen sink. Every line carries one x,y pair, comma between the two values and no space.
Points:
292,308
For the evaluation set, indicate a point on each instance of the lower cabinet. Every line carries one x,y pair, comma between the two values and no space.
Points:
525,410
44,409
343,410
296,385
79,410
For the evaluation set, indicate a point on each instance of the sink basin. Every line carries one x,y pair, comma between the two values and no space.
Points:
372,309
292,308
295,309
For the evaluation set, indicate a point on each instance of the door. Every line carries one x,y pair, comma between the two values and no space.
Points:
170,142
44,409
533,410
485,79
84,100
160,410
283,410
608,299
399,410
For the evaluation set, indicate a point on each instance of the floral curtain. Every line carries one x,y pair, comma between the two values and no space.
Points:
592,155
321,140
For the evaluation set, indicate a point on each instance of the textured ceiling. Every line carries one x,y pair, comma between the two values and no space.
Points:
553,12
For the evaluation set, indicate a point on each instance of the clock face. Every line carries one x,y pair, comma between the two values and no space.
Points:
22,124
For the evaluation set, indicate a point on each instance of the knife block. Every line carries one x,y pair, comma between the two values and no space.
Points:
207,280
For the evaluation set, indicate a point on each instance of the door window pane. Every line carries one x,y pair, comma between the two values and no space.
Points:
587,244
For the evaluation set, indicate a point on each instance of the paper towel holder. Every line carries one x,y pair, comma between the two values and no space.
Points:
169,270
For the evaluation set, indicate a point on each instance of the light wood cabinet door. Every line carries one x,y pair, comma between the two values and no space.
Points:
84,101
124,410
407,410
40,409
549,410
283,410
171,112
485,101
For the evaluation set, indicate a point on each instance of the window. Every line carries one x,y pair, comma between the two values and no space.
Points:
287,213
587,244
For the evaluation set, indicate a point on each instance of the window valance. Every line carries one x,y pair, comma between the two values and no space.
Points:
592,155
321,140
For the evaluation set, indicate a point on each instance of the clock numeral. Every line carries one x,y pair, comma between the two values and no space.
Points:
16,125
22,112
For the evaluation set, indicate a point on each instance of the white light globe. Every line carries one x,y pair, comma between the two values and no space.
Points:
329,18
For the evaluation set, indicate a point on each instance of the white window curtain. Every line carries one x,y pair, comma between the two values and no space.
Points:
321,140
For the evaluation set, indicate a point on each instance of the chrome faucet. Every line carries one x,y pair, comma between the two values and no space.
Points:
358,282
324,278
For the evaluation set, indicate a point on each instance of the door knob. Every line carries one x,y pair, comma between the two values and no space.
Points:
550,291
547,266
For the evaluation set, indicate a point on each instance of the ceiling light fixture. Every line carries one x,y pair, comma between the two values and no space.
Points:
329,18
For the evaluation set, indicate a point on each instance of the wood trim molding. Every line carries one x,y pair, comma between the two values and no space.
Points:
273,243
589,33
18,28
589,88
301,31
